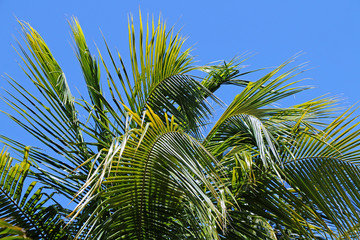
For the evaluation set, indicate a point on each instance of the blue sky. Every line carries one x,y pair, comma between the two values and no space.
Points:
327,32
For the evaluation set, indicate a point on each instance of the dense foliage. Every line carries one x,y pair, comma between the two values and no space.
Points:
140,158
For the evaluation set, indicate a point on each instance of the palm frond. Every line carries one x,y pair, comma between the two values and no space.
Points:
244,132
245,225
259,192
91,71
53,118
47,75
28,207
332,186
338,140
157,182
323,168
160,79
11,232
259,94
183,98
226,73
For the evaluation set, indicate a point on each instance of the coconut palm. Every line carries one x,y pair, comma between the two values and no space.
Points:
141,159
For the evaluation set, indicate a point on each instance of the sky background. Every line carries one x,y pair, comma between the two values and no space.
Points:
326,32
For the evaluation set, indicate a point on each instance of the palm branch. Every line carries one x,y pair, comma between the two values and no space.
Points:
27,206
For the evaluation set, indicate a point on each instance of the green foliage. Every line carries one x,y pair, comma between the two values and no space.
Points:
12,232
142,165
26,206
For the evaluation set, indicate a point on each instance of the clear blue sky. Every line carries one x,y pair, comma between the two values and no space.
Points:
328,32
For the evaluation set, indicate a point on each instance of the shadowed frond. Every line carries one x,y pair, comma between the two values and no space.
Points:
183,97
260,193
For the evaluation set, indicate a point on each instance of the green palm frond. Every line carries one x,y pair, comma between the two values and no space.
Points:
250,122
28,207
91,71
160,79
338,140
47,75
156,58
244,132
226,73
313,112
311,116
183,97
323,169
258,192
333,187
260,94
55,173
158,183
11,232
270,199
248,226
53,118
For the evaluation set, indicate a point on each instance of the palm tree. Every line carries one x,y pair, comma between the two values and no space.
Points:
140,159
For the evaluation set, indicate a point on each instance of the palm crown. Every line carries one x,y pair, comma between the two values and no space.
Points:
142,165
